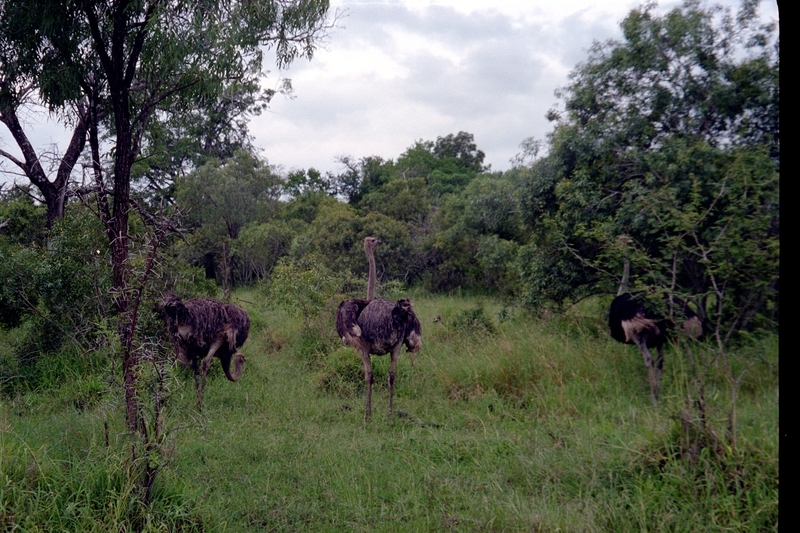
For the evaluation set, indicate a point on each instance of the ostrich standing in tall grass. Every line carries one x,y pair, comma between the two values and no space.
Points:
204,328
377,327
631,322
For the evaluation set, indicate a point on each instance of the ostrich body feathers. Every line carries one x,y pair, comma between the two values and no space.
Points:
203,328
630,322
629,319
379,325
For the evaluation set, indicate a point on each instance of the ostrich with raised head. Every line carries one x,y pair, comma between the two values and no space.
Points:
377,327
631,322
204,328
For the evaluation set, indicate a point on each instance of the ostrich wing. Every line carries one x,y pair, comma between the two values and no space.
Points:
237,326
347,318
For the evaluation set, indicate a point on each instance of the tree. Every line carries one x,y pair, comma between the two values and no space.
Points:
188,138
401,199
134,61
462,148
260,246
305,285
13,96
668,108
227,195
221,198
305,182
476,234
446,165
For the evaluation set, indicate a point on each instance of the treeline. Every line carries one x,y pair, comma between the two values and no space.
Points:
445,221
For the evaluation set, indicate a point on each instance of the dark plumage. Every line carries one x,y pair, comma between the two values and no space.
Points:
378,327
202,328
631,322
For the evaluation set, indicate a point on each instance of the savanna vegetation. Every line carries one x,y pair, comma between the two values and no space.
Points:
520,412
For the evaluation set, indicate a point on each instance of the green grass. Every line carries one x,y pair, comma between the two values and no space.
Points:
527,425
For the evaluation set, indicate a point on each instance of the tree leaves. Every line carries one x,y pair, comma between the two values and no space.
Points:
661,132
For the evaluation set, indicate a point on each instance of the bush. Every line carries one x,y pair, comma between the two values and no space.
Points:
341,373
474,321
57,294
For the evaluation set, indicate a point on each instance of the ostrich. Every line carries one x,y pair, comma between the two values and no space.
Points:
378,327
202,328
631,322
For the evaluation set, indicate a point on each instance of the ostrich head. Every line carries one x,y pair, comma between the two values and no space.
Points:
405,319
369,244
238,366
174,309
404,304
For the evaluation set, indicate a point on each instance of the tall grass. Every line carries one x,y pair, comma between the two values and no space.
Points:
503,423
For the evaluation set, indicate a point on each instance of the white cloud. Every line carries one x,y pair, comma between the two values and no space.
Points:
406,70
401,71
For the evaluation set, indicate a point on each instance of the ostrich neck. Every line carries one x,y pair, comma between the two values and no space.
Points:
626,273
238,366
371,279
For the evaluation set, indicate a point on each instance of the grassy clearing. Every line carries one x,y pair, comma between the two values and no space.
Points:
504,423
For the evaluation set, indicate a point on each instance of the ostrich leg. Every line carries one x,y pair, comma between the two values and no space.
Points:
648,360
196,372
204,369
182,355
368,378
659,365
392,367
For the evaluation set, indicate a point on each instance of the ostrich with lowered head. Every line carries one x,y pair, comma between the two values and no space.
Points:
631,322
377,327
202,328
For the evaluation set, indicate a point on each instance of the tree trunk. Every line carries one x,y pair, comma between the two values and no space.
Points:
54,193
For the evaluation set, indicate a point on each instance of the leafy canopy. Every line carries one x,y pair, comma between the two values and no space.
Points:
670,137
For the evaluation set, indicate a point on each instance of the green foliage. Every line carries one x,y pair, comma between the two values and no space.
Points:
336,237
474,322
497,259
401,199
451,154
23,222
545,425
446,166
476,236
395,257
304,286
302,182
659,142
462,149
305,208
259,247
221,200
58,293
333,237
441,184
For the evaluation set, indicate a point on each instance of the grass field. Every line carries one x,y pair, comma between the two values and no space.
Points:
503,423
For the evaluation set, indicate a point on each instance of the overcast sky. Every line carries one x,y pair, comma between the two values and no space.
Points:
397,71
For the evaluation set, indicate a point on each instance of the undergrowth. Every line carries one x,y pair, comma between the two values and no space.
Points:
503,422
